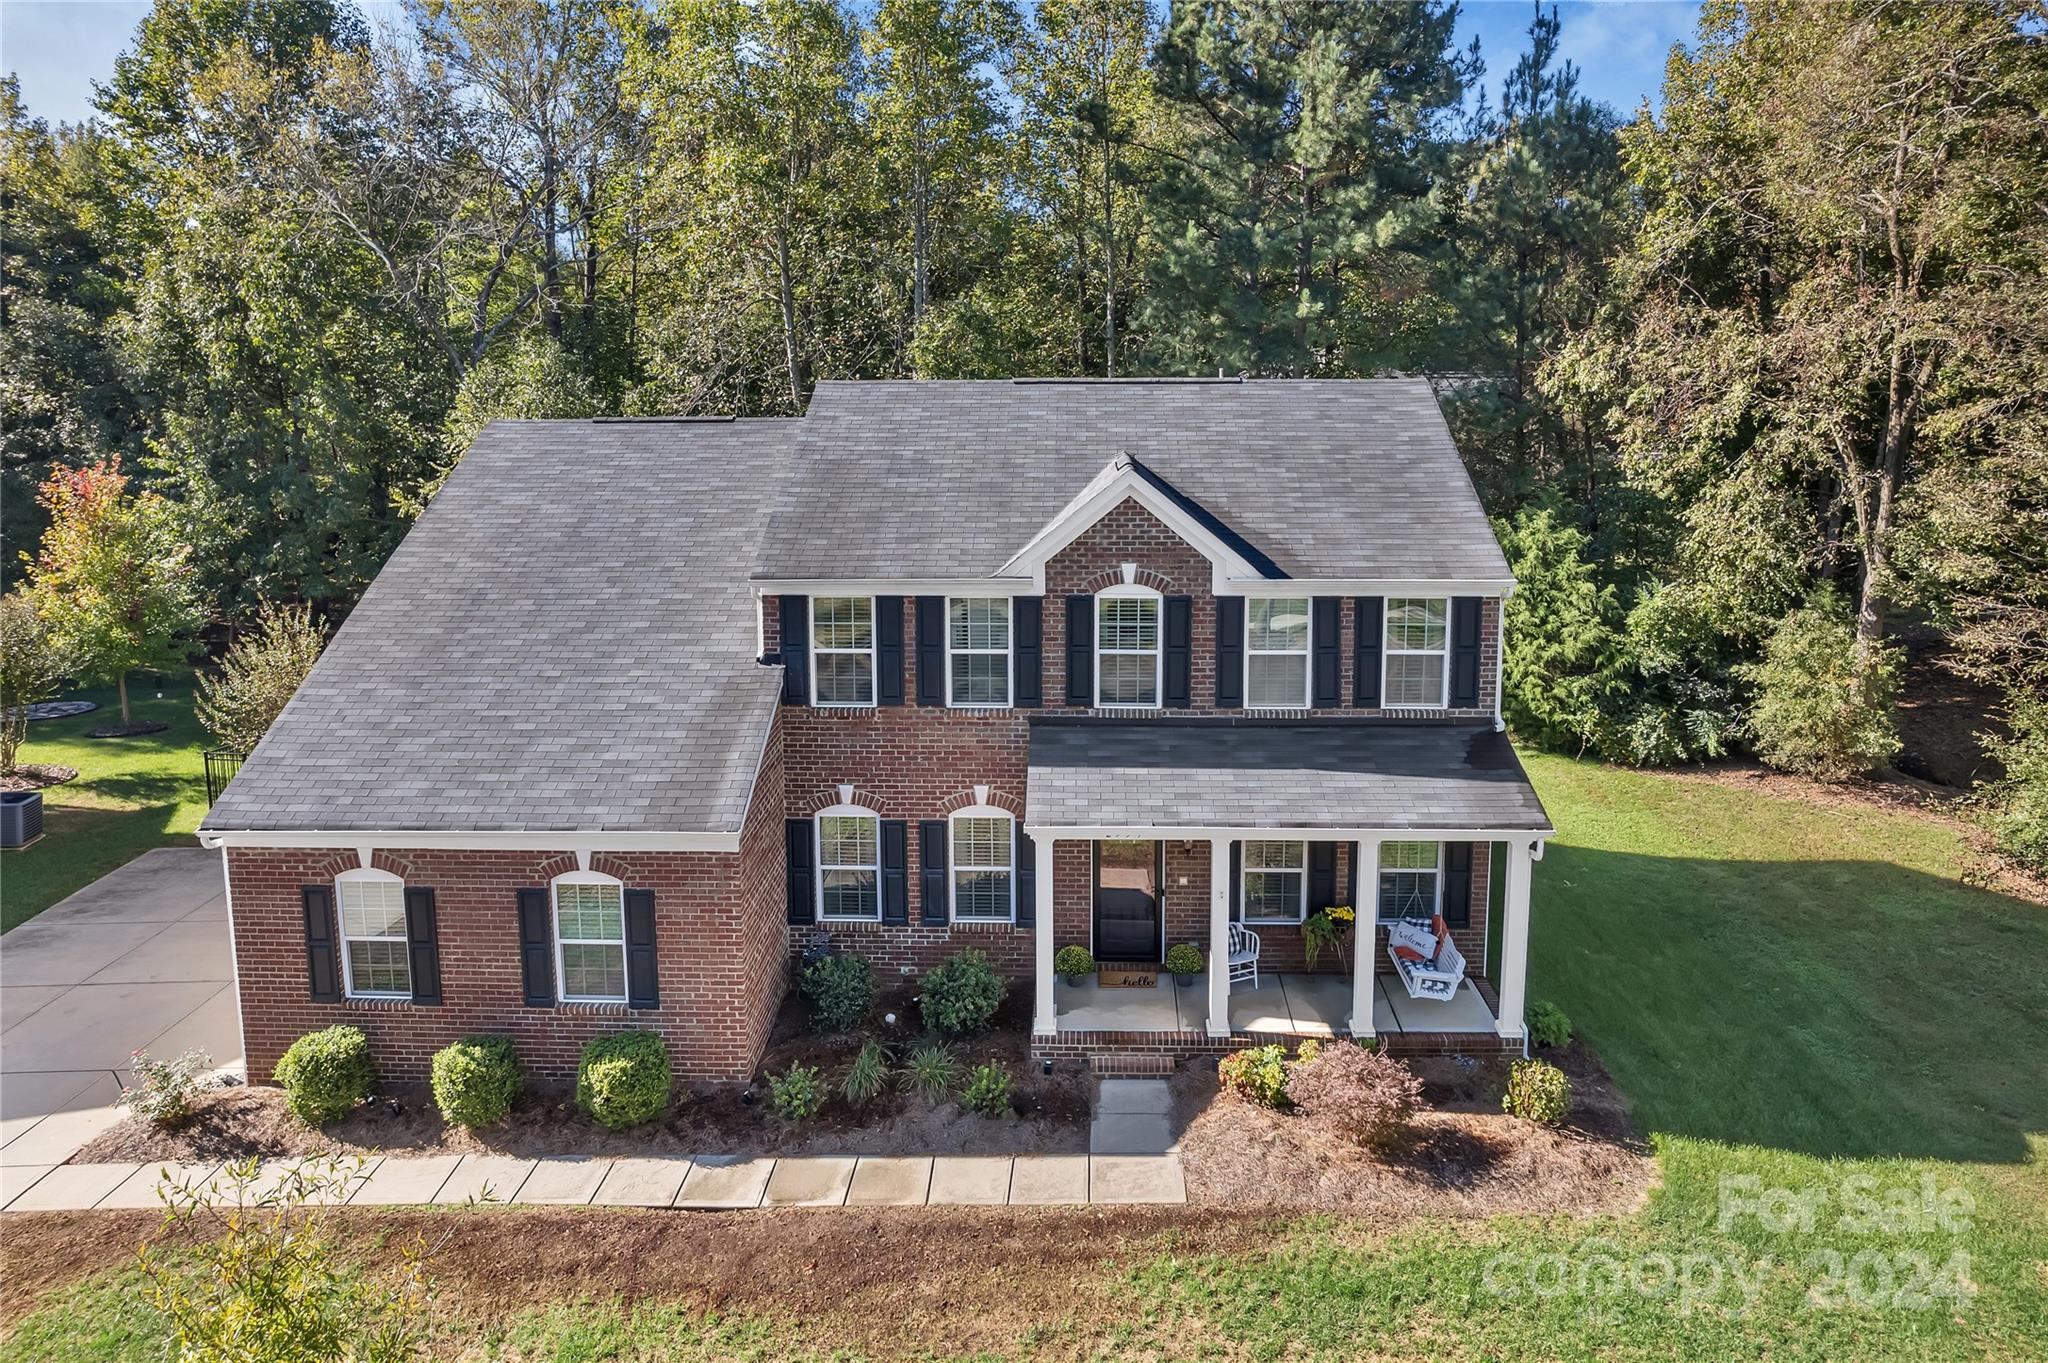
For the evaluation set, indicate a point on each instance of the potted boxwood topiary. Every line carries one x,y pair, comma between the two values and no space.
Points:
1072,963
1184,962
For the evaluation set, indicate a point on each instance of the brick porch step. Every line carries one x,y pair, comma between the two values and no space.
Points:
1126,1065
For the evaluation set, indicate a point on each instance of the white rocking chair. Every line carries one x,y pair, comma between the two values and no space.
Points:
1243,957
1442,967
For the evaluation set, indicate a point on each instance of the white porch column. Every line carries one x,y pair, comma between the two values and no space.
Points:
1219,937
1365,935
1044,1012
1514,940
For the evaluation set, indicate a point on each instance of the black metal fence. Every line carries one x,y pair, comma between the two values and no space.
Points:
221,766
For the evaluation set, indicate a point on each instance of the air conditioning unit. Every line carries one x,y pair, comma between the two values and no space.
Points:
21,817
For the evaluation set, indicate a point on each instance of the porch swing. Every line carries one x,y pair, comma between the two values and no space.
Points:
1424,956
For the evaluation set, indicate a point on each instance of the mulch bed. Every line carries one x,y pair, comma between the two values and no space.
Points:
37,775
126,730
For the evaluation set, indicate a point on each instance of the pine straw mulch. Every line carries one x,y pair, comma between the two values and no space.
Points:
37,776
1466,1157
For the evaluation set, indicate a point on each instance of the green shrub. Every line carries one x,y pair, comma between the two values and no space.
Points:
930,1072
841,990
987,1091
1538,1091
624,1078
1072,961
798,1093
475,1080
1358,1095
868,1075
2015,809
1548,1026
1308,1052
1257,1075
1821,710
325,1074
1564,664
1183,958
162,1092
960,995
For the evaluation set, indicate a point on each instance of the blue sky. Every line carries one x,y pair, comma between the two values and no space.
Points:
59,47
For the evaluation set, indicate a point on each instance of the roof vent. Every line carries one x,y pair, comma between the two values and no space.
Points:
664,420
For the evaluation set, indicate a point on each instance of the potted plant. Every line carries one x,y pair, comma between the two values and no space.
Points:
1325,929
1184,962
1073,962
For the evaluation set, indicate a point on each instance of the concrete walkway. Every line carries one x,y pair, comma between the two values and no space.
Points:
138,960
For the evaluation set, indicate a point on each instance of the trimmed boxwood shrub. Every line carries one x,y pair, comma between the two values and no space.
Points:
987,1091
325,1074
475,1080
1537,1090
841,990
1072,962
960,995
623,1078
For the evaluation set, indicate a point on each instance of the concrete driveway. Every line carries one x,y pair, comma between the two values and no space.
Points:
138,960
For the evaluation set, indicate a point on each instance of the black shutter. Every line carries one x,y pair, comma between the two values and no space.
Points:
1365,659
536,949
1458,884
642,990
1236,889
889,650
931,650
1351,880
895,871
1322,876
1027,652
1327,690
323,966
423,944
1465,652
931,871
1027,880
803,890
1180,648
794,614
1229,652
1081,650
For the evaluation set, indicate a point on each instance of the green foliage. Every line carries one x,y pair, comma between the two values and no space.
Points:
533,379
798,1093
261,671
325,1074
868,1076
1681,703
1073,962
624,1078
1307,1052
1548,1026
2015,807
841,991
960,995
162,1092
930,1072
987,1091
1824,705
475,1080
1538,1091
33,663
1363,1096
1184,958
1563,666
1257,1074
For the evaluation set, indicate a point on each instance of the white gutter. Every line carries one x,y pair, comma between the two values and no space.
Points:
484,840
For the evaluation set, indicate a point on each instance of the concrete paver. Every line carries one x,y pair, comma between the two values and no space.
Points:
725,1181
145,1187
16,1179
885,1181
813,1181
404,1182
72,1187
1046,1180
642,1183
495,1177
1133,1095
1131,1133
567,1180
1136,1178
970,1180
57,1137
37,1094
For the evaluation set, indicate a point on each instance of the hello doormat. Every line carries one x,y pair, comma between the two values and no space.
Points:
1127,977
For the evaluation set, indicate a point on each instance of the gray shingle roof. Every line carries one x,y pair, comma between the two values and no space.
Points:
1207,773
564,642
1329,479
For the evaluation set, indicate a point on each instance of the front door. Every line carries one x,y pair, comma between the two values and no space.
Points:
1127,878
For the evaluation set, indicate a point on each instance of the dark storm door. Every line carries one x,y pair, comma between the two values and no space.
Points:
1127,878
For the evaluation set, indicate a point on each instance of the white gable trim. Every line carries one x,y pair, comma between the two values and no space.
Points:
1119,481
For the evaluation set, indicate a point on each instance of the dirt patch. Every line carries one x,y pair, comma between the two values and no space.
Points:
1941,713
37,776
1467,1158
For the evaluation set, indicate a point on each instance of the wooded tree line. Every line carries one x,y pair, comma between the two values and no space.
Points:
1778,353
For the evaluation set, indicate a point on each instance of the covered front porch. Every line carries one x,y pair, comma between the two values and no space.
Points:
1283,1005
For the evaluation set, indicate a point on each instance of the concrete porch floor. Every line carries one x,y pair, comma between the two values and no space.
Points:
1283,1004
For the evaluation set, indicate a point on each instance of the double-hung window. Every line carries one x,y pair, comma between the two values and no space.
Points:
978,650
850,866
1411,880
590,937
1418,652
984,868
843,650
1127,649
1275,883
1276,653
374,959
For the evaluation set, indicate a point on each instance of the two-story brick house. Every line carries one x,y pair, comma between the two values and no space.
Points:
640,709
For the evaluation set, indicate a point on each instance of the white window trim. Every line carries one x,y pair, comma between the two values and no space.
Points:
1158,651
1307,654
1387,652
1437,904
1245,869
1009,699
555,925
953,862
348,970
819,867
874,675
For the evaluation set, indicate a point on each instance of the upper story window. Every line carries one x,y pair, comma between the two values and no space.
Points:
1276,653
984,867
590,937
978,650
1410,880
843,650
375,961
1128,657
1418,652
850,864
1275,881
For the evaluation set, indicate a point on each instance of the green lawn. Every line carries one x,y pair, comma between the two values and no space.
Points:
1797,996
131,794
